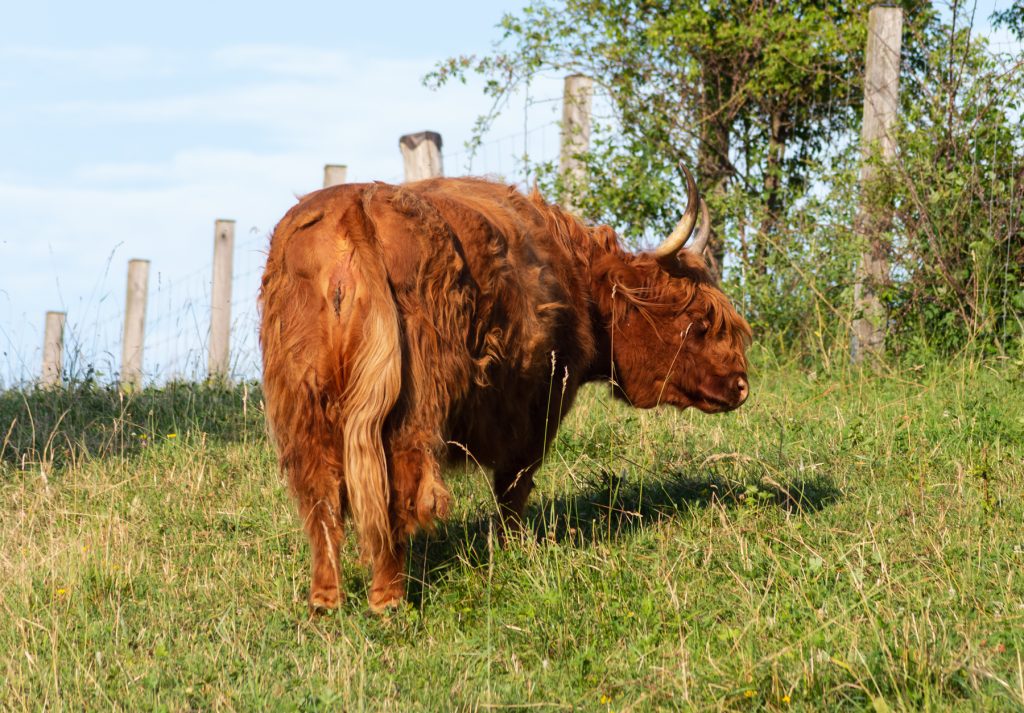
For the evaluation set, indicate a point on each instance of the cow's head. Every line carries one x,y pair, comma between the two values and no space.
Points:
674,336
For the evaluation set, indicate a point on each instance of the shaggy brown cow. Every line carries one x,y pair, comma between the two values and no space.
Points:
399,319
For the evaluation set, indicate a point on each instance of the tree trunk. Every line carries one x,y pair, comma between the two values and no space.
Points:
777,135
713,168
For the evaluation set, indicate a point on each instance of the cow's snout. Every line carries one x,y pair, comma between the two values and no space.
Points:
742,389
722,393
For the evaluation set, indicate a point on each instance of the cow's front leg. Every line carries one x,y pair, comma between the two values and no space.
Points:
318,491
512,488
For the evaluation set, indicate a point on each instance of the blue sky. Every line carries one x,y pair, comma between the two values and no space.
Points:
127,128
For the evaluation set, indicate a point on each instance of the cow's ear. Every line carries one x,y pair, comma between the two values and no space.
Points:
612,270
615,281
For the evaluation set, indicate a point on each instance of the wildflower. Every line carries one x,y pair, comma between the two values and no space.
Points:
748,693
785,699
605,700
172,435
61,592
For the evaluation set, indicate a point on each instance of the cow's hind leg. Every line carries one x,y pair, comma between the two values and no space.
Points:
318,491
387,588
419,496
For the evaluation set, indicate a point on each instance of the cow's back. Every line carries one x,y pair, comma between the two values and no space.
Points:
527,338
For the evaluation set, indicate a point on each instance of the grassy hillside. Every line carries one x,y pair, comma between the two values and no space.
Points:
845,540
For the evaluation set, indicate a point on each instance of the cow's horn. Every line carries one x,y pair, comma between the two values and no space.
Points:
671,246
704,234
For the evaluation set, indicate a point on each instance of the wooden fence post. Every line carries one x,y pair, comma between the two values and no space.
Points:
577,99
53,349
220,299
881,103
421,154
134,324
335,174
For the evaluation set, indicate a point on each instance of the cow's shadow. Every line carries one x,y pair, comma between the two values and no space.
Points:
609,509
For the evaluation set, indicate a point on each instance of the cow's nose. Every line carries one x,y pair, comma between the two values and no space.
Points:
742,389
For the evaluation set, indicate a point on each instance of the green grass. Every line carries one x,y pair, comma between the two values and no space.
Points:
845,540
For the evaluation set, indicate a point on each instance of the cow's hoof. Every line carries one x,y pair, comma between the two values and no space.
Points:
324,601
384,603
434,501
510,530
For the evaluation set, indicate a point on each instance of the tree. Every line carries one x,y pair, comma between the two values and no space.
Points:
765,97
958,185
756,91
1012,19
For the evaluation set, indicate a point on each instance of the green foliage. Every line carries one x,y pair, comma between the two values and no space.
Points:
767,98
845,541
679,74
1011,18
958,188
798,295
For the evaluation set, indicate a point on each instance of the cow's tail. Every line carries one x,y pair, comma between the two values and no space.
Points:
373,380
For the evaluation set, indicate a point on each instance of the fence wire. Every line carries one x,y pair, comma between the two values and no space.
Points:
177,329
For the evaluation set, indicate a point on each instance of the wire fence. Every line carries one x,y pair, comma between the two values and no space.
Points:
177,329
178,318
178,307
509,158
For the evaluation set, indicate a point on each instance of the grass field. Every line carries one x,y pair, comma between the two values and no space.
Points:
843,541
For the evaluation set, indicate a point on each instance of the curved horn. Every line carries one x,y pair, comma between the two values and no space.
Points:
704,234
671,245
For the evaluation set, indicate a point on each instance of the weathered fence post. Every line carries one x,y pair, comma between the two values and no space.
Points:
134,324
881,103
220,298
335,174
53,349
421,154
577,99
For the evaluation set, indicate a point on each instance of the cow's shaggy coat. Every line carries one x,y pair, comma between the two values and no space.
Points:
399,320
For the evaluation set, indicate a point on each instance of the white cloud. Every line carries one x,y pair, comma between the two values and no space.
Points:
284,60
117,62
358,98
308,107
